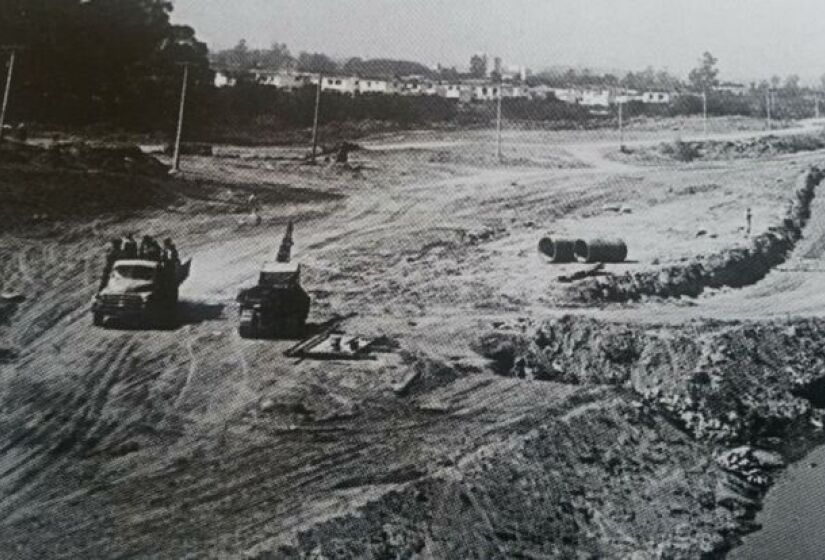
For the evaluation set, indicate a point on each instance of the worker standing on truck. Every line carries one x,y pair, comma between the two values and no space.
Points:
112,255
170,252
748,219
128,247
149,249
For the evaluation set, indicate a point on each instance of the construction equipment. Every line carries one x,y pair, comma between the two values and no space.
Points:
277,307
140,291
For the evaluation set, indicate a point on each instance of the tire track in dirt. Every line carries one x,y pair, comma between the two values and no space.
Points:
56,439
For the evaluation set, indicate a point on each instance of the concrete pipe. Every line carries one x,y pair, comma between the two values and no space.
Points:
559,250
600,250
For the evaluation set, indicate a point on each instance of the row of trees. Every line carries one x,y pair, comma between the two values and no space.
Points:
117,63
241,59
83,61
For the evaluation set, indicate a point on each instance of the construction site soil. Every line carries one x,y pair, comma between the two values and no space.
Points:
514,417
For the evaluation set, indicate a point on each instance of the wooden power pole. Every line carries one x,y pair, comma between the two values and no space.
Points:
621,127
705,113
315,118
176,157
498,123
7,90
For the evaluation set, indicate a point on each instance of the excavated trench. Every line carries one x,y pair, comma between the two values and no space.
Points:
735,267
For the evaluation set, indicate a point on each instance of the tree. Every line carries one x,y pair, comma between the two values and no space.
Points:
792,84
97,60
478,66
316,63
704,77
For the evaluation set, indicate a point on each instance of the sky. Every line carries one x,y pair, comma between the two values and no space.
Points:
752,39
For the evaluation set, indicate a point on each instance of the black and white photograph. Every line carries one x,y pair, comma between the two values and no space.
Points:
412,280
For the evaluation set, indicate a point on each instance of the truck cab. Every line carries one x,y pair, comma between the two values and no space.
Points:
137,290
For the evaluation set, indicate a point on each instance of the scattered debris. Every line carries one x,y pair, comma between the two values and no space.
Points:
12,297
337,346
581,274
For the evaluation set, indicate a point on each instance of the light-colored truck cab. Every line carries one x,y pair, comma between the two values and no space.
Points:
142,291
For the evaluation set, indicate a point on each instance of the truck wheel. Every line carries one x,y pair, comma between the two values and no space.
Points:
97,319
300,327
246,331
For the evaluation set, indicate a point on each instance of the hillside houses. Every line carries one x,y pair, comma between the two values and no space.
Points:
463,90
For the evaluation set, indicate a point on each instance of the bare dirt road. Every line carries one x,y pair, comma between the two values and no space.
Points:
193,442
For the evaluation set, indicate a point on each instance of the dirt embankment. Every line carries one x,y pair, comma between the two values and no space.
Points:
76,182
679,151
752,393
734,267
665,450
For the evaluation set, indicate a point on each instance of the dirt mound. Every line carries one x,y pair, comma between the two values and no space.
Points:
82,156
764,146
750,383
733,267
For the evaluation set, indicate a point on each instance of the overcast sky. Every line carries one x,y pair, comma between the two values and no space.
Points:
751,38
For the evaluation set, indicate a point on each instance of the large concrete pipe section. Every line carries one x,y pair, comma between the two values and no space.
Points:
600,250
559,250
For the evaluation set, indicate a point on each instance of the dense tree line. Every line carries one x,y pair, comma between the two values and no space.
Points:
99,61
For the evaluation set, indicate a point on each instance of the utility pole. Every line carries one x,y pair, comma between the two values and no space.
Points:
816,104
705,112
315,119
621,127
176,158
768,99
498,123
7,90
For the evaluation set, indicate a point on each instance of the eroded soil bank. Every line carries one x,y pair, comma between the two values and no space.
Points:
665,449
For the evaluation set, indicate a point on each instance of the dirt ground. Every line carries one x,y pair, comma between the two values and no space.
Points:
196,443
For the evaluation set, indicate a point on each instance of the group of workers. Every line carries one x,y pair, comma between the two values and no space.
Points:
127,247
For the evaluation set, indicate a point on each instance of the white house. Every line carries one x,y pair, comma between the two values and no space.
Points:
657,97
732,88
223,79
485,92
449,91
373,85
596,98
515,91
568,95
341,84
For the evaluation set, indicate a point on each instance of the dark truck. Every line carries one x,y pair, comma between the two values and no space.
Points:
140,291
278,306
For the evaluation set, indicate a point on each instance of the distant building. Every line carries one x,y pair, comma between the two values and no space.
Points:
515,91
482,90
449,90
568,95
342,84
732,88
287,81
596,98
657,97
224,79
374,85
